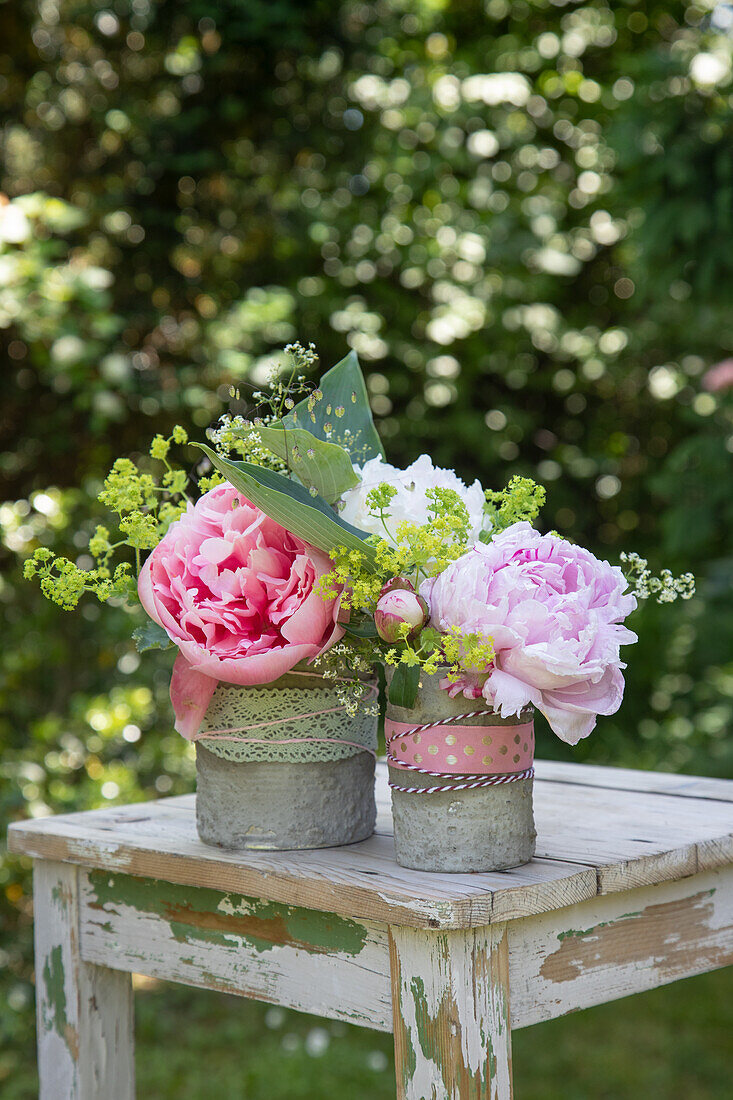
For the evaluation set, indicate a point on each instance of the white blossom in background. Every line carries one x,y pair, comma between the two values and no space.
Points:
410,504
15,228
495,88
710,69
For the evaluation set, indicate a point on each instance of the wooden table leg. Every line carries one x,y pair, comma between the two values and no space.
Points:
86,1043
450,1000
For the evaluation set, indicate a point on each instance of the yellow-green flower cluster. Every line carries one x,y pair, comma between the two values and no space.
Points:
521,500
432,650
145,509
126,489
414,551
59,578
141,532
210,481
160,446
470,652
361,587
63,582
421,550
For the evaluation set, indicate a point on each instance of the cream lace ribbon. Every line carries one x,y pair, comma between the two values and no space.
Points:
284,725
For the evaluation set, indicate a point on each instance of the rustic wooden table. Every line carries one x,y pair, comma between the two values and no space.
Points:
632,887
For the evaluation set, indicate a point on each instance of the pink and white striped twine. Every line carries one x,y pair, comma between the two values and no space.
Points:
522,734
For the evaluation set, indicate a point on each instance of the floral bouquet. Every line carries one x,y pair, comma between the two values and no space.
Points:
296,549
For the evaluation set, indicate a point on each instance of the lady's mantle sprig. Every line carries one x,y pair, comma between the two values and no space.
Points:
65,583
522,499
665,588
462,652
415,550
410,552
145,508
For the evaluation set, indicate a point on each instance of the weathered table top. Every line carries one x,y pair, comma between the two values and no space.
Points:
600,831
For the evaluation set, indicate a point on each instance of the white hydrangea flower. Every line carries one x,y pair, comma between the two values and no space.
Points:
410,504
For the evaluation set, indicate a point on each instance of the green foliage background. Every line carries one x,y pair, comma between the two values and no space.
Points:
518,213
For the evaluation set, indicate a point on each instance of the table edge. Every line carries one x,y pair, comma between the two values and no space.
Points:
581,883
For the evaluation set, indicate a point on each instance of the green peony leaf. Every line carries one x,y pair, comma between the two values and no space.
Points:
365,629
343,388
292,506
325,467
403,689
150,636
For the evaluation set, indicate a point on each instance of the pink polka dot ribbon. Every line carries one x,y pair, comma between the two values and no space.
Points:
451,750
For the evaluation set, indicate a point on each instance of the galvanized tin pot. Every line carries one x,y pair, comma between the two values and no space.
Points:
487,828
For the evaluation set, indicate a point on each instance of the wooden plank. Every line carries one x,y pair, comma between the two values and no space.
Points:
84,1012
451,1014
611,824
713,853
315,962
158,840
631,838
617,945
589,953
631,779
591,839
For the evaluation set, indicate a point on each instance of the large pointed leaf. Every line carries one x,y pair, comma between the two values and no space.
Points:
150,636
343,389
292,506
366,629
322,466
403,689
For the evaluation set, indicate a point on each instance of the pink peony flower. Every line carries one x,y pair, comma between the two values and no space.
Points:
719,377
398,606
554,612
235,591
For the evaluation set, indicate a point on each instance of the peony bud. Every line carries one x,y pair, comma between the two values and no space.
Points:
397,583
396,607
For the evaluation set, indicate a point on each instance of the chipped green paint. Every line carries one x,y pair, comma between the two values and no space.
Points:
450,1006
405,1056
423,1019
432,1029
60,894
198,913
578,933
55,999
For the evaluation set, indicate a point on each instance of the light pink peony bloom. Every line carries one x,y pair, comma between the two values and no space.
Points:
554,612
235,591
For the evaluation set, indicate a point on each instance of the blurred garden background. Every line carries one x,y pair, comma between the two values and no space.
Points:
520,214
